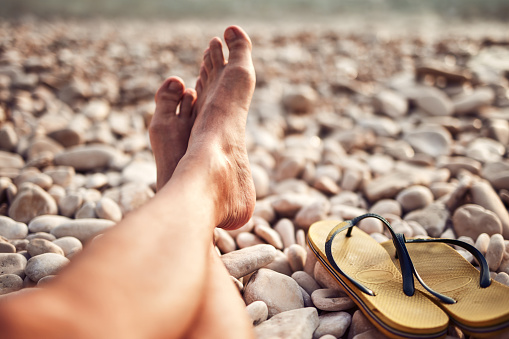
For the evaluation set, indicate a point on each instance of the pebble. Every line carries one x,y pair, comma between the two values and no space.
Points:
258,311
296,324
334,323
86,211
261,181
433,101
70,204
390,103
44,264
280,264
287,205
12,229
331,300
360,324
385,206
280,292
468,218
224,241
265,232
12,263
61,175
246,239
40,246
414,197
70,245
502,278
286,231
311,213
484,195
371,225
296,255
434,141
495,251
305,281
45,223
40,235
87,157
30,202
10,283
472,102
6,247
433,218
43,281
324,279
11,160
108,209
247,260
482,243
82,229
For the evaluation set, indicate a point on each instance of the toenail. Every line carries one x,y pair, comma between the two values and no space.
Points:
174,85
230,34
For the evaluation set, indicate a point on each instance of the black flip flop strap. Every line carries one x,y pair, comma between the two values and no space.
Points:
484,278
407,269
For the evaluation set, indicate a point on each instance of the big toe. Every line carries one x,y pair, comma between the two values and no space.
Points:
239,46
169,95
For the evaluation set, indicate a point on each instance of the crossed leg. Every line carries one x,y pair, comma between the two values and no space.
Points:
146,277
170,130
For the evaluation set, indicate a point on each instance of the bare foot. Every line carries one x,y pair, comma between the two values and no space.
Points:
217,140
170,128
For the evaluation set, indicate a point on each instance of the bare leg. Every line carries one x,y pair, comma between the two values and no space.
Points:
222,313
143,278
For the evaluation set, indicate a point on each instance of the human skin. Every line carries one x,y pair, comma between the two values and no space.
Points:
152,275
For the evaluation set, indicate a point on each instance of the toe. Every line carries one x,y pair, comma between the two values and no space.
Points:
199,86
169,95
188,100
207,61
239,45
203,75
216,52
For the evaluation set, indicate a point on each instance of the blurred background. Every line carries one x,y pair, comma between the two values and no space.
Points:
261,9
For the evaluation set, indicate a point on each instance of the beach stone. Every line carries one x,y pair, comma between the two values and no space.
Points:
280,264
311,213
82,229
498,129
335,323
265,232
245,239
414,197
296,255
485,150
326,185
247,260
495,251
502,278
431,140
97,110
69,245
286,231
11,229
33,175
300,99
324,279
258,311
264,210
140,171
87,157
224,241
43,281
331,300
45,223
482,243
472,220
287,205
483,194
472,102
307,298
390,103
108,209
8,138
44,264
11,160
389,185
305,281
458,163
69,204
6,247
360,324
280,292
261,181
433,218
40,246
309,265
295,324
12,263
30,202
19,244
371,225
386,206
300,238
497,173
133,195
10,283
433,101
42,144
61,175
87,210
67,136
40,235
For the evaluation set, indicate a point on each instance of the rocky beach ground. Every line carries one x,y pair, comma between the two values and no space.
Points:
410,125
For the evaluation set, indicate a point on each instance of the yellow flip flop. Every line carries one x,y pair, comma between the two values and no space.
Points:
368,275
481,306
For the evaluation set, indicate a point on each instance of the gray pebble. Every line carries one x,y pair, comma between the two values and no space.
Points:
295,324
495,252
334,323
258,311
40,246
331,300
12,229
13,263
244,261
10,283
82,229
44,264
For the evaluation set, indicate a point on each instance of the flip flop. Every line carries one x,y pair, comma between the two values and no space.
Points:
480,306
367,273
